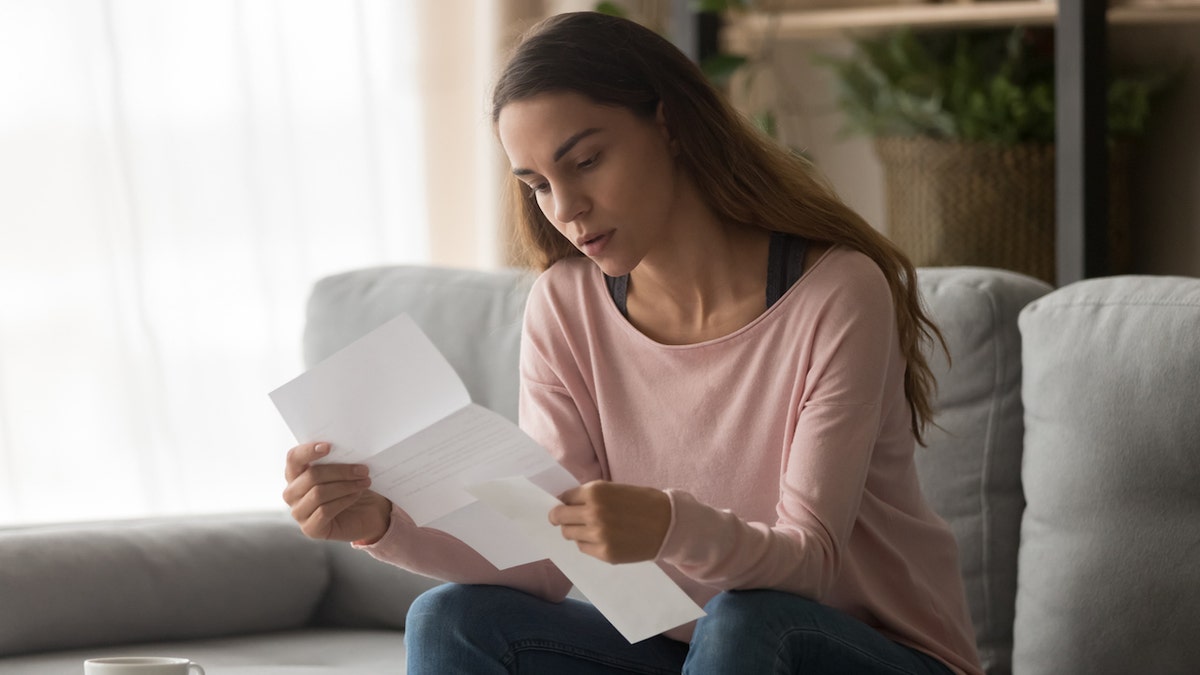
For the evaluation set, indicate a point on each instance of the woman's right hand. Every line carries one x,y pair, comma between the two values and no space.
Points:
332,501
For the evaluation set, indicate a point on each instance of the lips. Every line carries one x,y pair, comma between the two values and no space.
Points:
592,244
583,240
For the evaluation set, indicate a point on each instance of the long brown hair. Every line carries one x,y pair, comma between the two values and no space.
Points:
745,177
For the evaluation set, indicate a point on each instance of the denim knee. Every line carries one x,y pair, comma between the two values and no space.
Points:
452,629
445,611
738,612
744,630
772,632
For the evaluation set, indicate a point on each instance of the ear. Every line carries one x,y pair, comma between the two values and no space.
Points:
660,118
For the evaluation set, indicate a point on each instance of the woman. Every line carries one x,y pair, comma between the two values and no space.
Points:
730,362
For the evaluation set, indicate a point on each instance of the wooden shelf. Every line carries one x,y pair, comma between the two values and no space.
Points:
1080,188
742,29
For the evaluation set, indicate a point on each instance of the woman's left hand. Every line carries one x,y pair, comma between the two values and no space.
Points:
614,522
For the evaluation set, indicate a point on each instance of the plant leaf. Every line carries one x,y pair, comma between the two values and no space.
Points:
719,67
611,9
984,85
765,121
717,5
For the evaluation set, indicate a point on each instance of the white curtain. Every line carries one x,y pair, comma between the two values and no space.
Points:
173,178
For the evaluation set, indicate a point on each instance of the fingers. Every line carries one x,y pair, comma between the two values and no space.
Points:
612,521
319,474
575,495
583,504
319,523
318,506
596,491
580,505
321,483
568,515
578,517
572,519
333,501
299,457
318,493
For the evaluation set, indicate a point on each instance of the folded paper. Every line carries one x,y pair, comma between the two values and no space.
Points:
391,401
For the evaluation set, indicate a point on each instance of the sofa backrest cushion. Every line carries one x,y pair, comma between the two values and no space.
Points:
970,471
64,587
1110,541
473,317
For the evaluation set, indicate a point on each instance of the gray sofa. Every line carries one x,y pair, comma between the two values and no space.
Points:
1070,482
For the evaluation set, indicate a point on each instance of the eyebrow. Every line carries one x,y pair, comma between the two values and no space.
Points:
564,148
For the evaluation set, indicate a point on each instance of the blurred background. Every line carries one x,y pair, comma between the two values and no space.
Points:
174,176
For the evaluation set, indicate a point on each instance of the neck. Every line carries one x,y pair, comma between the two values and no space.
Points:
702,276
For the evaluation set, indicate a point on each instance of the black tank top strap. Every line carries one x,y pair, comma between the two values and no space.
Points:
785,265
618,288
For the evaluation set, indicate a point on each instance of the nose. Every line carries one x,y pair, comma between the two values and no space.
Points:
569,204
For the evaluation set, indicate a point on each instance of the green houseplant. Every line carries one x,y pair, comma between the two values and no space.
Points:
963,123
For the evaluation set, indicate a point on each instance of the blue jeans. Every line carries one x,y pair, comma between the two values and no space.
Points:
477,630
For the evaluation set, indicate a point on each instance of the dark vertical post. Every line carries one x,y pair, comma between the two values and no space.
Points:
708,34
1081,98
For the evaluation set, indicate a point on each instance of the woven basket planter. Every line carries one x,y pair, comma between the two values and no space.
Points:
988,205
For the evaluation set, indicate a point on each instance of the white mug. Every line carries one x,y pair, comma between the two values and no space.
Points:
141,665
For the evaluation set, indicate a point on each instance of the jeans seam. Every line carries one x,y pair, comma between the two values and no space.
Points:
780,661
510,658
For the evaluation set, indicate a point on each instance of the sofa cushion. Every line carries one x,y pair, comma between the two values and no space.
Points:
473,317
1110,541
306,651
164,579
366,593
970,471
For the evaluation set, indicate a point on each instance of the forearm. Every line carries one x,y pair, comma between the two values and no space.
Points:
436,554
719,549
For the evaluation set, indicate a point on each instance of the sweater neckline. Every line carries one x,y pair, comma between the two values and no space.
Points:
599,286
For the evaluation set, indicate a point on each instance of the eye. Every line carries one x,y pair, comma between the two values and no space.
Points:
589,162
538,188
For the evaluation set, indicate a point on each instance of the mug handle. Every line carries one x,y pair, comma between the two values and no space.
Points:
194,667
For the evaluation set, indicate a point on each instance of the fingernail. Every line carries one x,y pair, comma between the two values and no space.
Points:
321,448
361,470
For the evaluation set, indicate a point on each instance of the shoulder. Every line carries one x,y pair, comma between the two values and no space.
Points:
846,273
562,294
563,316
843,291
848,265
565,280
568,274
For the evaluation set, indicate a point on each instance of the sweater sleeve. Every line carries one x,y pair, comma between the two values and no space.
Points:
440,555
556,405
548,412
855,358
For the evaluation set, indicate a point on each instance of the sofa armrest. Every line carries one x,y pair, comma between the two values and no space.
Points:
83,585
1109,580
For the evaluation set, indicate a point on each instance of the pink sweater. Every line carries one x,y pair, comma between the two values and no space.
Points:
785,449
